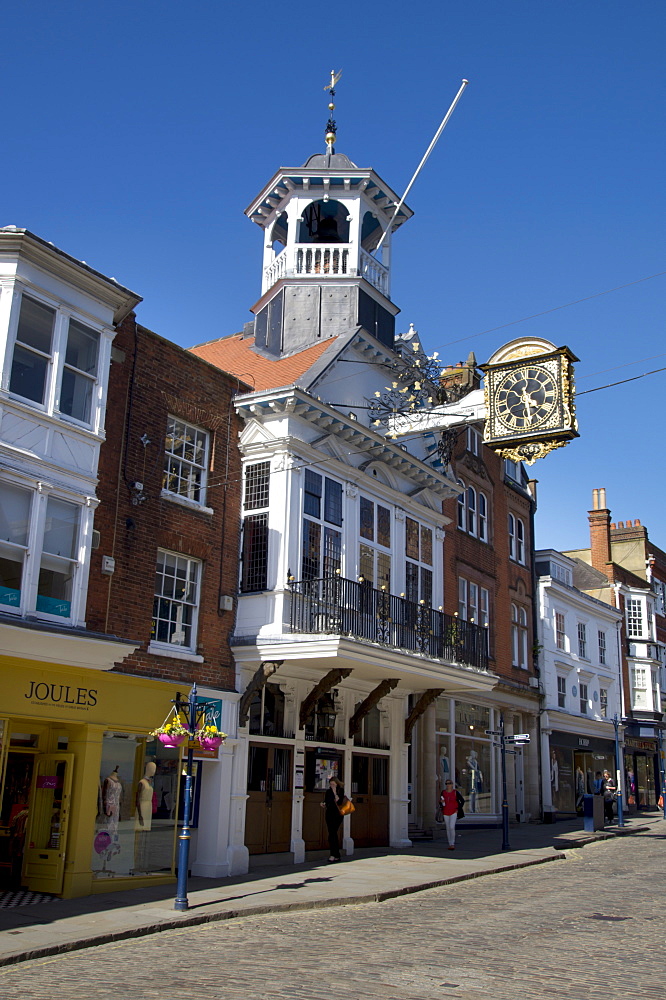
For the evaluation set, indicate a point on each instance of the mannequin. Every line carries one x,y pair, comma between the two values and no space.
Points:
144,799
112,793
143,817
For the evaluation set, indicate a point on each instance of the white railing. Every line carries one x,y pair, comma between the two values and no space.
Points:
374,272
314,259
322,259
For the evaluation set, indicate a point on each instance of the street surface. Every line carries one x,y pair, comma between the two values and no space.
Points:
589,927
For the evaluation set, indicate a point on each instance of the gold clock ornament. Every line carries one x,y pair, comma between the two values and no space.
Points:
529,398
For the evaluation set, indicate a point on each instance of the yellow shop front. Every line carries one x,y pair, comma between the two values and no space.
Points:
88,801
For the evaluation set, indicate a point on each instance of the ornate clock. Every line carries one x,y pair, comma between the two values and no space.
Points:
529,397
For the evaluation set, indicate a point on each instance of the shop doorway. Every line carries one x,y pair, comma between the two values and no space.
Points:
48,818
268,813
645,781
14,816
519,762
320,764
370,793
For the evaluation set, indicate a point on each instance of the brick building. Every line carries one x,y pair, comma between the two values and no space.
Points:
488,579
164,568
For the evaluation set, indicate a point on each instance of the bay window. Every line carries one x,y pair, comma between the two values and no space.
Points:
52,346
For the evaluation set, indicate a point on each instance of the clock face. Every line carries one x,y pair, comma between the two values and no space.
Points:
525,398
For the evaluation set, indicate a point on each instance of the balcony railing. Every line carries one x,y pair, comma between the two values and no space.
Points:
336,606
336,259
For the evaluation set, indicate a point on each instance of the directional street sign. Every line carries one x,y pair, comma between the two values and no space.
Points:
493,732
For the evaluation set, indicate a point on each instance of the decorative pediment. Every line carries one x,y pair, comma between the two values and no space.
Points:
256,433
429,499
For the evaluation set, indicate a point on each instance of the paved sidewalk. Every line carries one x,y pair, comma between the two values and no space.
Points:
28,932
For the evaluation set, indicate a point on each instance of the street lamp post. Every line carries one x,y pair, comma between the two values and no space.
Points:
618,771
194,711
519,740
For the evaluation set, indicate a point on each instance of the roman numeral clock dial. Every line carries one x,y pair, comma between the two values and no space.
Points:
529,398
526,398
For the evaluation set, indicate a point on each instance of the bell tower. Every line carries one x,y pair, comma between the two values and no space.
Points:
322,275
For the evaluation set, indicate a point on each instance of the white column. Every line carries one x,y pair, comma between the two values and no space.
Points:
398,771
238,856
297,846
212,848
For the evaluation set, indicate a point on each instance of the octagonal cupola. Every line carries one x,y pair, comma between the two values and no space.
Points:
322,273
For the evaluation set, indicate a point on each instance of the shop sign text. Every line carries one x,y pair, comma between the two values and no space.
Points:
80,698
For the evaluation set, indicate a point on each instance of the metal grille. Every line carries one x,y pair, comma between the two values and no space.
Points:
257,479
255,553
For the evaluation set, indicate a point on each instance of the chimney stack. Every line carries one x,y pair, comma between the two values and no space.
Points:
600,543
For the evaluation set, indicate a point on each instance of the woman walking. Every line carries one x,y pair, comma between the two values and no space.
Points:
452,801
335,793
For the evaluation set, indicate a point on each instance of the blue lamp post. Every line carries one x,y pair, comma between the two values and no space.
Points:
618,771
195,712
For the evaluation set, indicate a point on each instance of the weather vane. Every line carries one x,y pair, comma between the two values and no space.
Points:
331,127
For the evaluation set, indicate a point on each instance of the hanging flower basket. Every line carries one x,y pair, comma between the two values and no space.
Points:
172,741
210,737
171,734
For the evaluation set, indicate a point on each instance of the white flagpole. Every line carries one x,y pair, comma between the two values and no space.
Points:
420,166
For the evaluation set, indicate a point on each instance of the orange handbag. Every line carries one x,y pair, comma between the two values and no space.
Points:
346,806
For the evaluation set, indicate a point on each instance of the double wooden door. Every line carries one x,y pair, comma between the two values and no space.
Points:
269,788
370,794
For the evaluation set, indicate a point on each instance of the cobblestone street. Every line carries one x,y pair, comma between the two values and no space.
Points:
586,927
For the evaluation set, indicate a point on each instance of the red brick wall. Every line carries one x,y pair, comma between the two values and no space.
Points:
149,379
488,563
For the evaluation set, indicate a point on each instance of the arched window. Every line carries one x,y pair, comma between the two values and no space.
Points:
462,507
483,517
324,222
279,233
471,510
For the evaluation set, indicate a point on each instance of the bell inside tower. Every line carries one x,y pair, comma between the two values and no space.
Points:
324,222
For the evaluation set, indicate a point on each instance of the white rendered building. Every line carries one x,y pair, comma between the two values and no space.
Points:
582,683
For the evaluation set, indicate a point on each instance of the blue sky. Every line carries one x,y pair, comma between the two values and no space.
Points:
136,134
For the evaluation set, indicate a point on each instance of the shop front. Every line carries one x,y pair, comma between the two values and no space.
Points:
464,753
88,801
573,763
641,770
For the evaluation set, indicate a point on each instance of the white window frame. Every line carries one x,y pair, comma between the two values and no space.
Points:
639,687
471,511
635,614
473,440
581,629
603,649
483,517
560,632
34,555
561,684
583,697
603,702
183,464
462,507
518,636
516,538
56,360
192,600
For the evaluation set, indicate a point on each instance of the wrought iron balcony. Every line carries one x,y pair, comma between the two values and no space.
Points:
335,606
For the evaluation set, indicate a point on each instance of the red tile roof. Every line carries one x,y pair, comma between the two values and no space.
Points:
234,354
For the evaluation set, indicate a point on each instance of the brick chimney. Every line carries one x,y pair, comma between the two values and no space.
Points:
600,544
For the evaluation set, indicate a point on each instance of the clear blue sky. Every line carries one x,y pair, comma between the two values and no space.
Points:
136,133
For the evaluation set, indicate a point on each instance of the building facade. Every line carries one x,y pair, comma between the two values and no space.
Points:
57,323
341,642
623,568
488,580
580,638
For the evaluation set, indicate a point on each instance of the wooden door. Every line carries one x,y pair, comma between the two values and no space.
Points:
268,812
319,765
370,793
48,818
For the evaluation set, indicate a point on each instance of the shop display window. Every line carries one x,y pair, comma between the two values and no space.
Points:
136,808
464,752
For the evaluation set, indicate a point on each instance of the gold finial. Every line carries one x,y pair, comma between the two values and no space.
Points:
331,128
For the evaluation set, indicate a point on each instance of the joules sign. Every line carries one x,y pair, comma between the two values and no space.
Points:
63,695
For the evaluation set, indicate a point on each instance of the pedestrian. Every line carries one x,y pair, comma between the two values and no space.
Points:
335,793
452,802
609,796
598,787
